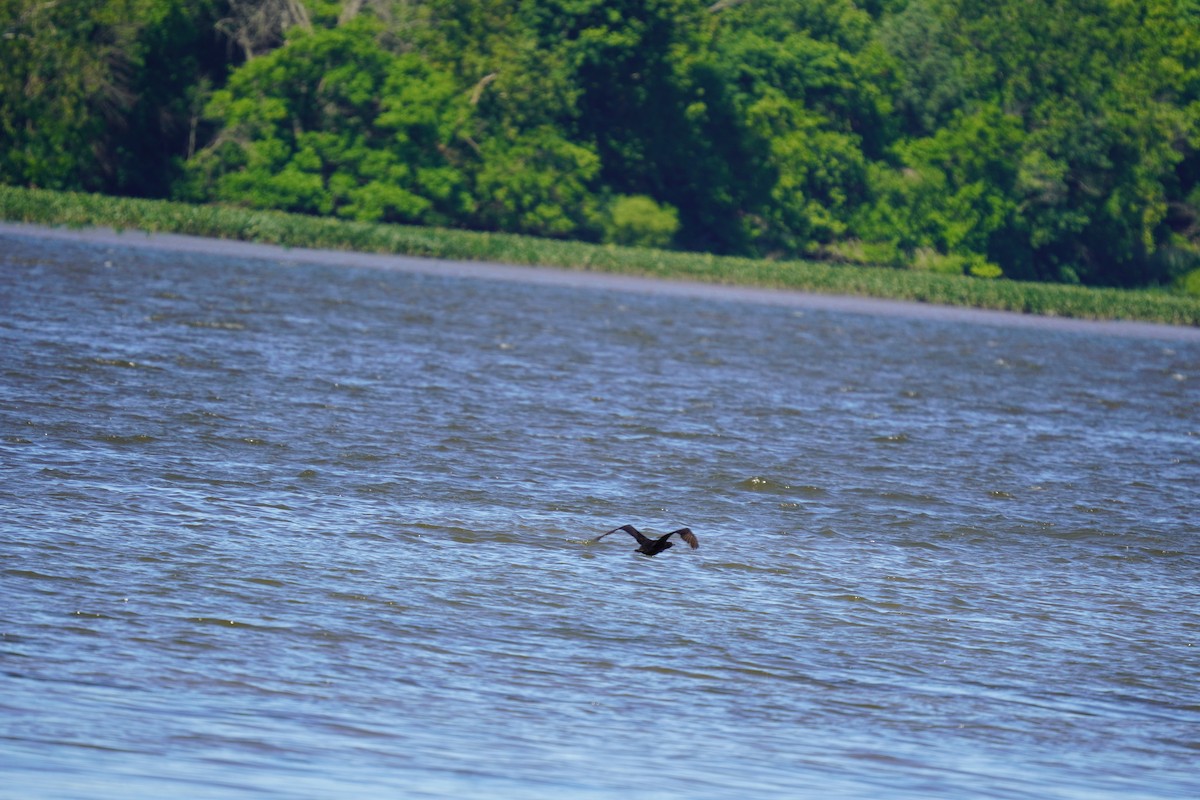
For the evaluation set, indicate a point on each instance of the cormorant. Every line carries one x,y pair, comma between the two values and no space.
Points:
652,547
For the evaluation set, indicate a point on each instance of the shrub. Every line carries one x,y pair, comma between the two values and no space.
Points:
638,221
1189,284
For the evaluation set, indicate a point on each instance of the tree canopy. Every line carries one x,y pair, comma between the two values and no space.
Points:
1055,140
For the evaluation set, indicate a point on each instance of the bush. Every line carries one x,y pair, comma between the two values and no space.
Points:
1189,284
638,221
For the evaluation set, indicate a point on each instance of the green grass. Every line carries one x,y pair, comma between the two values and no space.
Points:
294,230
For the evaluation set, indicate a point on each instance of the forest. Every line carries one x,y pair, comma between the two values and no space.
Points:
1043,140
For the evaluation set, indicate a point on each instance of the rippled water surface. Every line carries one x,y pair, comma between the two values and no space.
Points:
292,528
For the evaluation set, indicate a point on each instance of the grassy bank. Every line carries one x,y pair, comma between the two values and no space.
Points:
292,230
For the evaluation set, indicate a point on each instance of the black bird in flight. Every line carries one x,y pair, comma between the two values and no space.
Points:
652,547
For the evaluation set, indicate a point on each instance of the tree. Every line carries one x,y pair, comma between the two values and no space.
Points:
93,96
259,26
806,84
1105,93
654,108
180,56
332,123
539,184
952,194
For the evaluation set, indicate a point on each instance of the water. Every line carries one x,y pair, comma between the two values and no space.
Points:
288,525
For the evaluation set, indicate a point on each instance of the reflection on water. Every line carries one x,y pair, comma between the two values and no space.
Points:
287,527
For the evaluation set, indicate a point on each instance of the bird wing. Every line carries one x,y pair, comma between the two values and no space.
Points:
632,531
689,537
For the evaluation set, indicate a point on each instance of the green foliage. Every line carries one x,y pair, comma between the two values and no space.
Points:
1054,140
1189,283
801,81
951,192
653,106
332,123
1105,98
96,95
538,184
293,230
984,269
63,81
638,221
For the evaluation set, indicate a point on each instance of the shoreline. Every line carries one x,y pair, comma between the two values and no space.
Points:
584,278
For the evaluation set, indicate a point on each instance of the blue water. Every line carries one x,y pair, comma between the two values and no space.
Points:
296,525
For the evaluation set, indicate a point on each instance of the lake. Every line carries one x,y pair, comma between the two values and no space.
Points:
286,524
